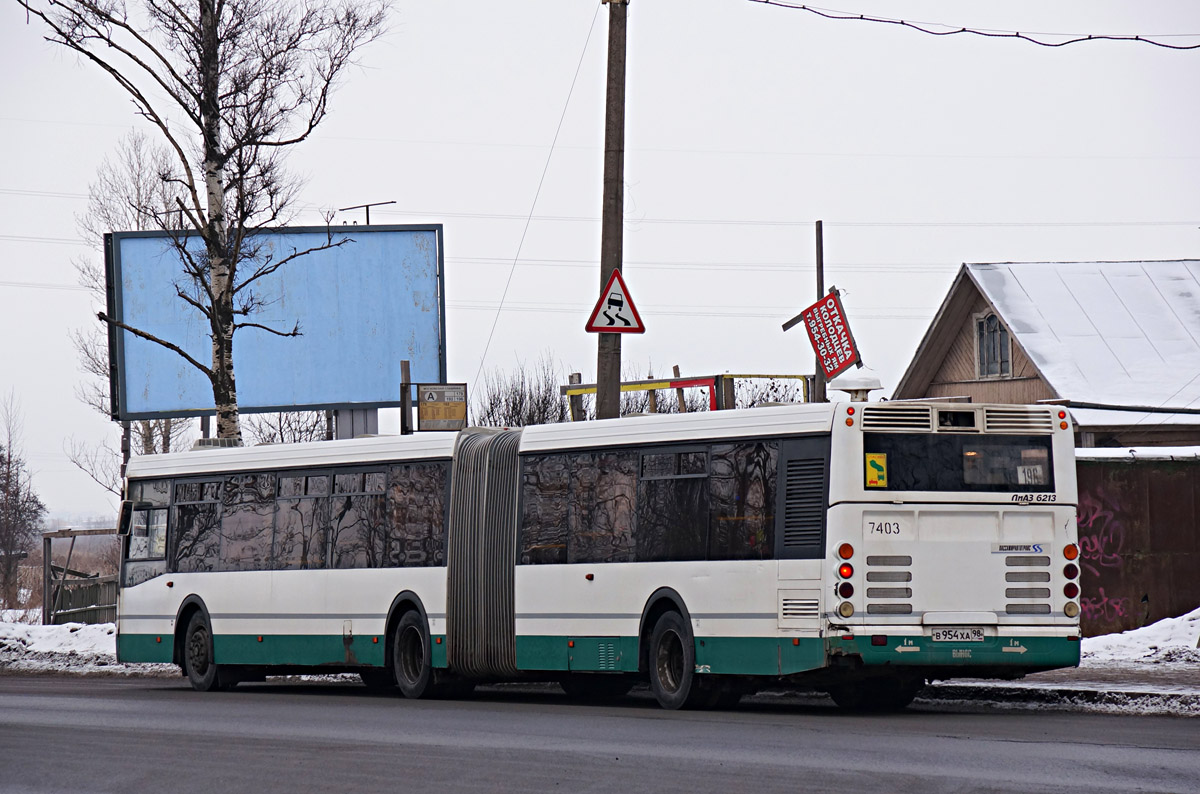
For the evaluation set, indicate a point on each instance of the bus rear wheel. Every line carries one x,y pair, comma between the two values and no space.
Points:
877,694
671,662
410,657
204,674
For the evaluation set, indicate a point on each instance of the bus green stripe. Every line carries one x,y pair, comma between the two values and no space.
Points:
144,648
1015,651
761,656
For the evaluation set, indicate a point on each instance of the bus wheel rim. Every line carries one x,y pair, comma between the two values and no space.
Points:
669,661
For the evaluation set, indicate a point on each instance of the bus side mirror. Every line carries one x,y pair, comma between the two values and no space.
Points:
126,518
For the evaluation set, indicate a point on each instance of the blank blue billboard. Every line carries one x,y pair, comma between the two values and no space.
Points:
362,308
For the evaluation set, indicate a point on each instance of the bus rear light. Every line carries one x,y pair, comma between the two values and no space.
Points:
879,639
1071,610
849,422
795,641
1073,638
845,570
845,589
1070,570
845,609
1062,425
1071,590
845,551
1062,414
850,410
1071,551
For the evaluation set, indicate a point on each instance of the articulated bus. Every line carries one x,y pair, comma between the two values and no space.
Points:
861,549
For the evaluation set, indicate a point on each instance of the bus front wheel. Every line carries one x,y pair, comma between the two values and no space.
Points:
202,670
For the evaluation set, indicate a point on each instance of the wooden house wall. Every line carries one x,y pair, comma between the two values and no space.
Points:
956,376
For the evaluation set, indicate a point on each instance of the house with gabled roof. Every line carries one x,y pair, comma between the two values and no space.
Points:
1118,343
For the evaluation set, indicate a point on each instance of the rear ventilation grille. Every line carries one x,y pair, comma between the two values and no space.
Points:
897,417
1017,420
804,504
883,600
798,608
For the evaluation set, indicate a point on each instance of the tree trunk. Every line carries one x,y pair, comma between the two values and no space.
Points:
216,235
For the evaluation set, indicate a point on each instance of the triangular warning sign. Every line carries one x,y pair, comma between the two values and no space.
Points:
615,312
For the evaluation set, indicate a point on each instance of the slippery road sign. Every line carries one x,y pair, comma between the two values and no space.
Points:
615,312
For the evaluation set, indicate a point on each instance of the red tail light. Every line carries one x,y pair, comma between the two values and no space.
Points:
1071,590
1070,570
845,570
845,589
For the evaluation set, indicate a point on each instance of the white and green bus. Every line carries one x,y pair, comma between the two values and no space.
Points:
857,548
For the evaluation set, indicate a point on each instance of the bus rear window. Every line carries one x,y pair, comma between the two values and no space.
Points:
957,462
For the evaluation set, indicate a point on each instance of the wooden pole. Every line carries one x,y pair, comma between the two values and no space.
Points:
406,420
608,348
575,401
818,395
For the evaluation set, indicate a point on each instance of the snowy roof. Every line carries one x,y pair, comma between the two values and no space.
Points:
1138,453
1113,333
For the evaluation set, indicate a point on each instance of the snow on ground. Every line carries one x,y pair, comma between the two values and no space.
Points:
1169,640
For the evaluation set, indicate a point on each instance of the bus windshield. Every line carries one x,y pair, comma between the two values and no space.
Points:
957,462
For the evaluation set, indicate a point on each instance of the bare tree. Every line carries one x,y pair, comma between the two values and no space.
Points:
532,396
771,390
21,511
523,397
290,427
227,85
128,194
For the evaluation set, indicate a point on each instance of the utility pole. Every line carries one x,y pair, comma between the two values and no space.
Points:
608,356
818,395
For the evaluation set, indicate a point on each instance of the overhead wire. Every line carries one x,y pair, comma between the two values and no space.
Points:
942,29
537,193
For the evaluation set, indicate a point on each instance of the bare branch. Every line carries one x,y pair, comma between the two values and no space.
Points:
294,332
104,318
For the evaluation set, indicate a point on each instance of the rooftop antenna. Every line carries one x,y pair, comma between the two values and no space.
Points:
367,207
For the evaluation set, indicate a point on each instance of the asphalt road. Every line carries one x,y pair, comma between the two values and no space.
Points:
132,735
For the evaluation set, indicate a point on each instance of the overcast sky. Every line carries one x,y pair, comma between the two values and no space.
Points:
746,123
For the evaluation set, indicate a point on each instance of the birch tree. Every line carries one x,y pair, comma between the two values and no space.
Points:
226,86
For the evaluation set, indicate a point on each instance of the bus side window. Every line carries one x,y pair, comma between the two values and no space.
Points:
672,506
742,494
417,522
544,488
139,535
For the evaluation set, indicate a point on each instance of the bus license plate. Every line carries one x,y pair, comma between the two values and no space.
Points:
957,635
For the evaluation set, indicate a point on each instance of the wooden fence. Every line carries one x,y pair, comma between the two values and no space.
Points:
70,596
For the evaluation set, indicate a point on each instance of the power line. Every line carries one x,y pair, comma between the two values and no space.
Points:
941,29
44,285
536,194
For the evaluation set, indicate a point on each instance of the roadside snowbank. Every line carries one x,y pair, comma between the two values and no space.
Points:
1167,641
89,650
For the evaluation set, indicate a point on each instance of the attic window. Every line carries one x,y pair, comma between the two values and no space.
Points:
994,350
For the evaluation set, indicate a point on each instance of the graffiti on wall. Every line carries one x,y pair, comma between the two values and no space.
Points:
1101,533
1101,548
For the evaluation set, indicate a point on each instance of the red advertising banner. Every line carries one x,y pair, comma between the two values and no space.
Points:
830,334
